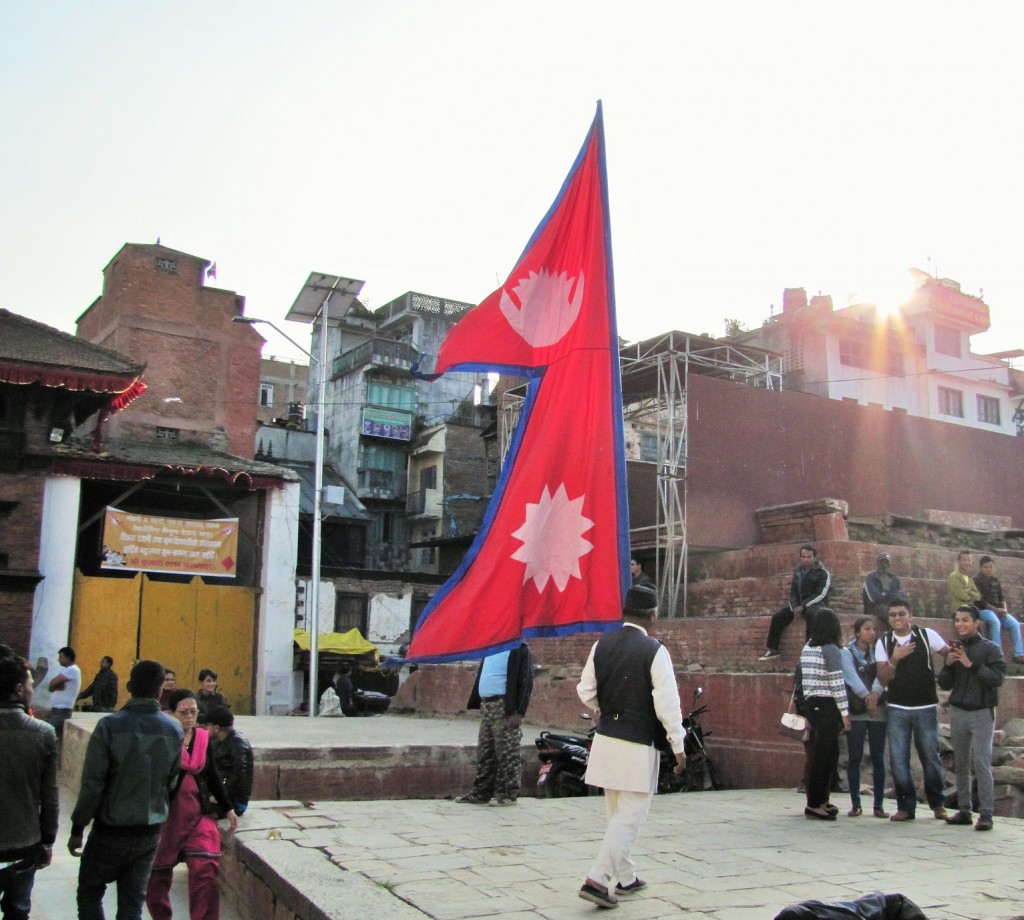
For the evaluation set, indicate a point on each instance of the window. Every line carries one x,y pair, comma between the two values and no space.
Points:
988,410
428,478
350,612
648,447
947,341
951,402
266,394
853,353
167,434
391,395
427,555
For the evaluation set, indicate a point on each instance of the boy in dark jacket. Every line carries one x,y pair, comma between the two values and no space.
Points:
973,673
232,754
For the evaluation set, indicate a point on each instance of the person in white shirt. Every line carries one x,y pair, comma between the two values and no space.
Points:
630,682
64,689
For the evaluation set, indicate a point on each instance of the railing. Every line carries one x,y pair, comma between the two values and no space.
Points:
424,503
382,352
377,483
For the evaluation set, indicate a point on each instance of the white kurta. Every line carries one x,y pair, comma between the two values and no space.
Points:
625,765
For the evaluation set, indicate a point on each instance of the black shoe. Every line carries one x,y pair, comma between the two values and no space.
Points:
827,816
633,886
984,823
595,895
962,818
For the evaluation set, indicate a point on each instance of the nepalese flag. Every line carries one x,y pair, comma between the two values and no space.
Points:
550,556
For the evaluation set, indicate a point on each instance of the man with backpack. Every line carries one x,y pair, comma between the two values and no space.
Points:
906,669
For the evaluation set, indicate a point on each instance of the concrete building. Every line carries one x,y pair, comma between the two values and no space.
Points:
375,406
915,359
282,391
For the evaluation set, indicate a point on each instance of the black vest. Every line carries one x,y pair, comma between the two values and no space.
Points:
622,664
913,684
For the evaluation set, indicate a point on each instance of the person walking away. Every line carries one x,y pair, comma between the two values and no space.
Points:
103,688
973,673
504,684
808,590
131,765
880,587
906,670
232,755
993,608
630,683
825,705
28,789
190,833
63,688
860,672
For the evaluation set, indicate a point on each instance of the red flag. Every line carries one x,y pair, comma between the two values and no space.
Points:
550,556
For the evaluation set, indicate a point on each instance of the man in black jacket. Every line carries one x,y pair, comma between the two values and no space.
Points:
502,692
973,673
808,590
28,789
103,688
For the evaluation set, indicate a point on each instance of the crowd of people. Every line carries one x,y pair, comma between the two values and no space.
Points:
880,687
154,785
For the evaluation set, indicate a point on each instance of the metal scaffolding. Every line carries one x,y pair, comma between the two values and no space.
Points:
655,374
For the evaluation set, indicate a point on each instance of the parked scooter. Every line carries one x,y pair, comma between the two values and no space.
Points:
563,761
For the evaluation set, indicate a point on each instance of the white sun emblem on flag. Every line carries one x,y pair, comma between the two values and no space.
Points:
552,539
548,306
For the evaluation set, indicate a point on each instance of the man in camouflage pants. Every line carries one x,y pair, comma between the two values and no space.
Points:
502,694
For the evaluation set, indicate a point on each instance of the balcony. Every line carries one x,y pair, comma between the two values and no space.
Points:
377,353
424,504
377,483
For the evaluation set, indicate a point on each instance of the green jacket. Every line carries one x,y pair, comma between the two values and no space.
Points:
131,765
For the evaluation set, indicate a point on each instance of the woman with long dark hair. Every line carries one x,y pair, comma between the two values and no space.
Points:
860,674
190,832
826,709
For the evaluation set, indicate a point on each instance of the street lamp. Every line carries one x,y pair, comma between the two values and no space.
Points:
314,300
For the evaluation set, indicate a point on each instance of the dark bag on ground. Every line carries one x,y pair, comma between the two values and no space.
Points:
876,906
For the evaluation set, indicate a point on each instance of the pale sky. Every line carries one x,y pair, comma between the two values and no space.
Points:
415,145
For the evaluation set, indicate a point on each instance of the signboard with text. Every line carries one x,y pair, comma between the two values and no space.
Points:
147,543
387,423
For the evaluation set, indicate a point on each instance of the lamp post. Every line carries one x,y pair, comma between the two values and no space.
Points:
307,307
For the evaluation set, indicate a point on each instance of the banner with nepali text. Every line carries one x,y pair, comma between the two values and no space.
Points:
179,546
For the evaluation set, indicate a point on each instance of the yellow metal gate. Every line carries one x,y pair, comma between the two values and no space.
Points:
185,627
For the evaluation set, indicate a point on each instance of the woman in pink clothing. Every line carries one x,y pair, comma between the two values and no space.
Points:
190,832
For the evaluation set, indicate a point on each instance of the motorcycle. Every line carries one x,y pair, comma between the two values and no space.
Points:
699,773
563,761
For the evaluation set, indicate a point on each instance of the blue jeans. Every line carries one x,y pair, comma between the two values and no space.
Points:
923,724
107,858
16,892
875,734
1008,623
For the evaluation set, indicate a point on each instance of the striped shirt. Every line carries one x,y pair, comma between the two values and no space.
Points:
821,670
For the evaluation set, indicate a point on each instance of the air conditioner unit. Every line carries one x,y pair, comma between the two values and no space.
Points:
334,495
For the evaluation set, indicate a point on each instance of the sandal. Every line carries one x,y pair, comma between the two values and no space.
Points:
881,813
855,812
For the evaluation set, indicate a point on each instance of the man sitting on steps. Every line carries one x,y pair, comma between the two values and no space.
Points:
807,592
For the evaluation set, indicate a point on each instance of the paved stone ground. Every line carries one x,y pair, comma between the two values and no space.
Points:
730,855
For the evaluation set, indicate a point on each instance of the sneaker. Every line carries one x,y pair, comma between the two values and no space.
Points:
471,798
501,801
962,818
632,887
590,892
769,654
901,816
984,823
940,813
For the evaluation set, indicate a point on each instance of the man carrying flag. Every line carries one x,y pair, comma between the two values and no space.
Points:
549,558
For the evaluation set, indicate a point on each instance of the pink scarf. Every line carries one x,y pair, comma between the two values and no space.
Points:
195,761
